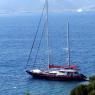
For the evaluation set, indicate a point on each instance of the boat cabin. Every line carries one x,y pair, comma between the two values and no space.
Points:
65,72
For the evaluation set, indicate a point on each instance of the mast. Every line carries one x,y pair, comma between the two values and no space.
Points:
68,43
47,33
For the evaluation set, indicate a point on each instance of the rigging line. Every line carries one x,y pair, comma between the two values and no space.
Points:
39,44
35,37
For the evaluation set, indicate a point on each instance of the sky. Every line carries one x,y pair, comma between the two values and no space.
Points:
30,6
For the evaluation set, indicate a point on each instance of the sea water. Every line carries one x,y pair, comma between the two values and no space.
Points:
16,37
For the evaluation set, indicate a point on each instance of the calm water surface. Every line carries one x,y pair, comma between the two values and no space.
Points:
16,37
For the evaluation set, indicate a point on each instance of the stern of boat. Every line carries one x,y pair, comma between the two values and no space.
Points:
84,77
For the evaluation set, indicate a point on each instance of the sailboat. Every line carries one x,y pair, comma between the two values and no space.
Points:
60,73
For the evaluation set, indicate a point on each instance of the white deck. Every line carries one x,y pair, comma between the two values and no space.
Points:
57,72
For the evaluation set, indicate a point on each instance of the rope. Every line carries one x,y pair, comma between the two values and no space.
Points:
39,44
35,37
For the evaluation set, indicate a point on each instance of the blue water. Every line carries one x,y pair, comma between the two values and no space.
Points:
16,37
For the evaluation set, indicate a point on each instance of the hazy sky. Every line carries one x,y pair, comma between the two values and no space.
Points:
21,6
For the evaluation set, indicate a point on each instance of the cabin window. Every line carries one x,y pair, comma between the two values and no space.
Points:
70,74
76,73
62,71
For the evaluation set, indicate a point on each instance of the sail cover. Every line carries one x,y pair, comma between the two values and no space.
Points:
65,67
